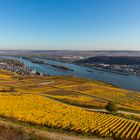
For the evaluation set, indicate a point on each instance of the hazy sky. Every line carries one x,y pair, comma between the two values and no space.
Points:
70,24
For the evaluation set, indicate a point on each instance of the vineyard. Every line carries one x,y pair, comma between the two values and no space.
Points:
34,109
35,102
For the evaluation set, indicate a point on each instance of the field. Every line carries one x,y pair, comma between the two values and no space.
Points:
62,102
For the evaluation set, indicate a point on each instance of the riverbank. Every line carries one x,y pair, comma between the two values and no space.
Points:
106,70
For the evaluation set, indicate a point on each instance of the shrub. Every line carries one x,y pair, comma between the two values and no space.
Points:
111,106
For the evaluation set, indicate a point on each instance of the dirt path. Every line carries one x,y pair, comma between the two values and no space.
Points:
120,111
60,136
46,83
130,113
43,134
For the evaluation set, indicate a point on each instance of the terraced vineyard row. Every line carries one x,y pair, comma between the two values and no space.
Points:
38,110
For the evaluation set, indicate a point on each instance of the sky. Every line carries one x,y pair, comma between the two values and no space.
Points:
70,24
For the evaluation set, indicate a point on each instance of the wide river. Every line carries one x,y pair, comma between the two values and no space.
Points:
131,82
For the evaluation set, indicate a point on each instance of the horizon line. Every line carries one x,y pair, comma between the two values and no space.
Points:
59,50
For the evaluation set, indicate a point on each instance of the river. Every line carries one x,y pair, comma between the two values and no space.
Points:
131,82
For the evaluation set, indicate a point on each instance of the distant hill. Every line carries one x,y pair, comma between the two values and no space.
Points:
111,60
71,52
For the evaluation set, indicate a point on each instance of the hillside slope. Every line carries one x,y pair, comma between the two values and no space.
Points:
120,60
60,103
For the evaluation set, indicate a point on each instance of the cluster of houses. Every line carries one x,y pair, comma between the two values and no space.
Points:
133,69
20,69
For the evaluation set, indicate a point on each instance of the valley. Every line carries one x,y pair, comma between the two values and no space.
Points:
50,101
